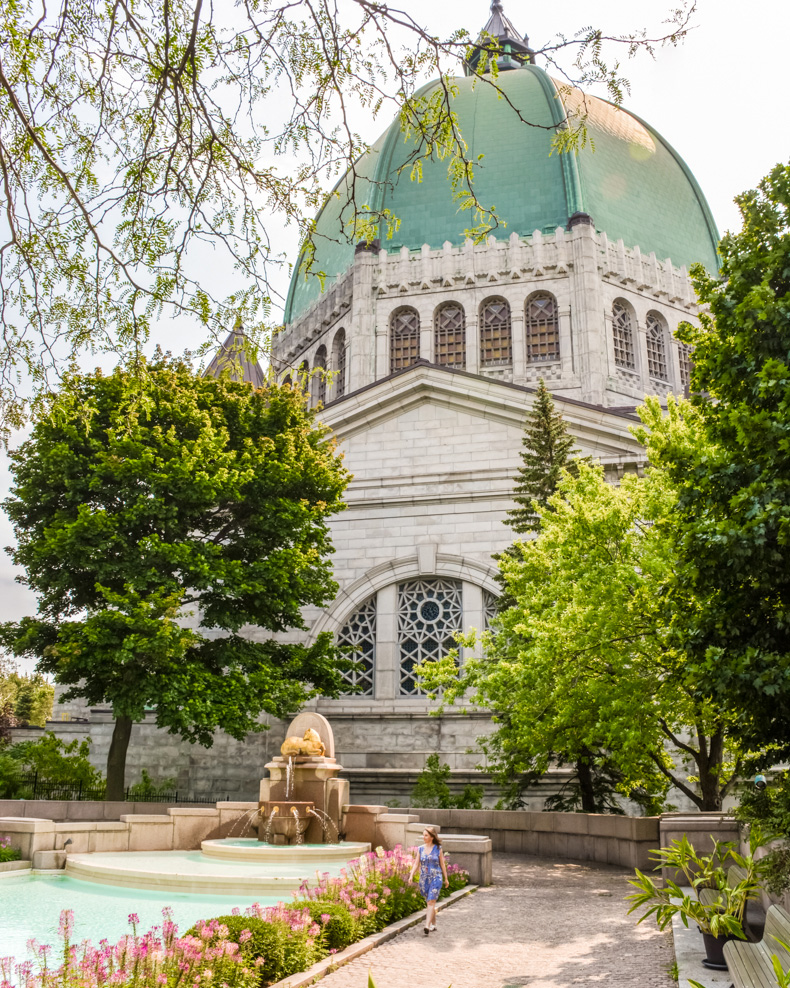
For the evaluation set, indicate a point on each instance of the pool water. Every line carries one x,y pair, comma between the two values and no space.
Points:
30,906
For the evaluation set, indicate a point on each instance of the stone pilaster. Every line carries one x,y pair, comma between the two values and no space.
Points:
587,306
360,337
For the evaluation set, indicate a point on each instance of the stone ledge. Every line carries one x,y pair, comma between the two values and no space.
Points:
330,964
13,867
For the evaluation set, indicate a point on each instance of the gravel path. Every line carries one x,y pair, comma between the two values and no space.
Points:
542,924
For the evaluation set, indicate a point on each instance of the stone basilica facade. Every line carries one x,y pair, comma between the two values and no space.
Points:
434,346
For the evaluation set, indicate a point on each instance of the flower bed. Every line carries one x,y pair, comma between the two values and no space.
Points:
8,853
239,951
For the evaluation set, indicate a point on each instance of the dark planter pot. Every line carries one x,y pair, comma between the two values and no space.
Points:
714,950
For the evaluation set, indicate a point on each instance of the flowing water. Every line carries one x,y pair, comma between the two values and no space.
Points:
289,778
267,830
238,826
327,825
299,834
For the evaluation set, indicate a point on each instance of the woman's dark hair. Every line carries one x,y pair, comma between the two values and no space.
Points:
434,835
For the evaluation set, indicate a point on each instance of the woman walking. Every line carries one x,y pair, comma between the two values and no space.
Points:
433,873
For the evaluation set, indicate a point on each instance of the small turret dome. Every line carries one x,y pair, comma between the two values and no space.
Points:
633,185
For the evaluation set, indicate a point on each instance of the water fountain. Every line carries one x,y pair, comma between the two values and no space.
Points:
295,836
305,766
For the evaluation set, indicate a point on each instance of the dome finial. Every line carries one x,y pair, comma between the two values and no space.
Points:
514,49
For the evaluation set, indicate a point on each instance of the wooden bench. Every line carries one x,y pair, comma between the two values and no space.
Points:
750,964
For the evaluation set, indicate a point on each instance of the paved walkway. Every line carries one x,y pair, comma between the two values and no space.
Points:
542,924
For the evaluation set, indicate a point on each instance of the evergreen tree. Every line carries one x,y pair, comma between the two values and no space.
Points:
547,451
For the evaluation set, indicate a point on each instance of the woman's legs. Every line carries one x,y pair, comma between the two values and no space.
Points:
430,918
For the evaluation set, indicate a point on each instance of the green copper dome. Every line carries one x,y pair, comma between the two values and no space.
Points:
633,185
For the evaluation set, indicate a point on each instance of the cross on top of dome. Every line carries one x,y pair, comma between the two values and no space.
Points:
514,49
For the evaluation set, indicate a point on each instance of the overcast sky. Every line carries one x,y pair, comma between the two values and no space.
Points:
720,100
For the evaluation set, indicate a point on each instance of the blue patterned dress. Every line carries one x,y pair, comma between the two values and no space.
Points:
431,878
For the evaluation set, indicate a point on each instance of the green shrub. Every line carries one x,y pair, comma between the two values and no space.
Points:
147,788
339,930
432,792
285,947
769,810
8,853
51,760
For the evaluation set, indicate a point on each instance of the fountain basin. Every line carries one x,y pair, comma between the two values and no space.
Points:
310,855
197,873
283,821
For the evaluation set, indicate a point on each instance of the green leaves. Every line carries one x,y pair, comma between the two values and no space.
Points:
583,666
721,915
143,502
733,517
548,449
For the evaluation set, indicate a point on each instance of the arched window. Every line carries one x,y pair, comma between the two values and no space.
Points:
303,379
656,347
430,613
319,376
543,329
490,608
623,333
449,336
358,635
287,380
339,363
684,357
404,339
496,346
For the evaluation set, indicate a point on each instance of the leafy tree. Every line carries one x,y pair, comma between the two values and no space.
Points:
138,497
582,667
733,513
135,134
547,450
34,699
50,759
29,698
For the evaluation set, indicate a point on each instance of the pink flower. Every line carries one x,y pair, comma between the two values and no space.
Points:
325,917
235,911
244,936
66,925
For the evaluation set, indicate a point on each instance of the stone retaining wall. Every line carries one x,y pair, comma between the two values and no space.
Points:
605,838
179,828
83,810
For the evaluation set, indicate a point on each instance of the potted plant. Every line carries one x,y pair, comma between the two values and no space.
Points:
719,917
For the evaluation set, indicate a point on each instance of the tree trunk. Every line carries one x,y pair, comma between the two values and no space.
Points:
710,771
116,759
584,775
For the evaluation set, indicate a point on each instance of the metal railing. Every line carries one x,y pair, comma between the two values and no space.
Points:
57,790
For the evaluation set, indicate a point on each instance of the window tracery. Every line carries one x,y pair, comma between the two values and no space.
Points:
623,336
430,612
490,608
496,345
359,634
319,376
542,328
339,362
449,336
656,348
404,339
684,358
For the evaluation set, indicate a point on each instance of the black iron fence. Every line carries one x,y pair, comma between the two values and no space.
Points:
34,788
